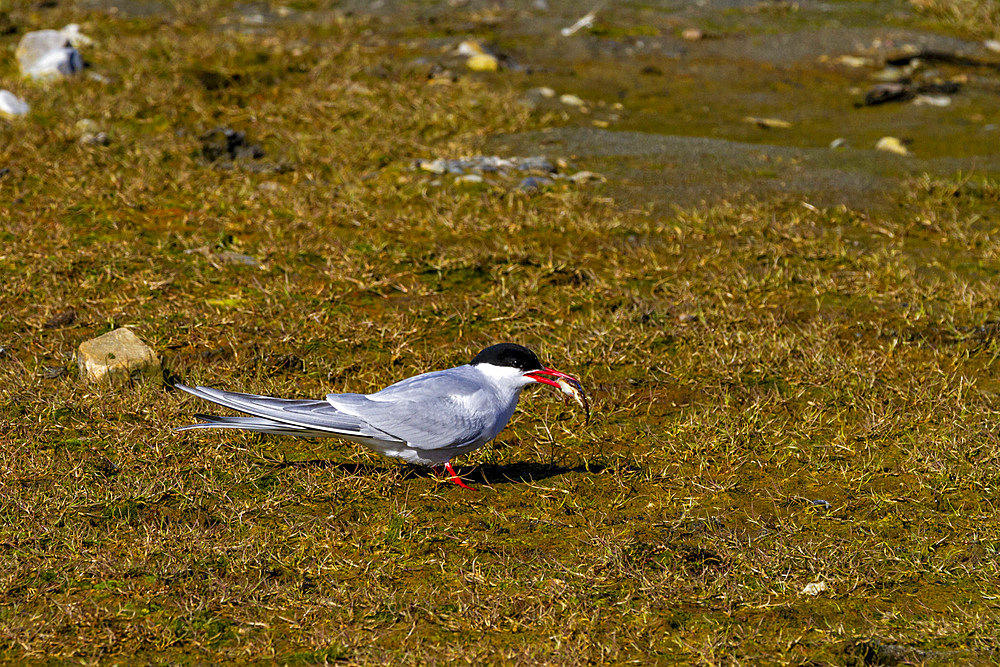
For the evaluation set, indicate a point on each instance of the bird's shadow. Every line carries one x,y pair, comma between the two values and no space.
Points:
523,472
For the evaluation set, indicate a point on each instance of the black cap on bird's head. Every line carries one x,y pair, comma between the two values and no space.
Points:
508,354
517,356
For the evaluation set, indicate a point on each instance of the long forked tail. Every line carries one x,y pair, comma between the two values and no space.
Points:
255,424
283,416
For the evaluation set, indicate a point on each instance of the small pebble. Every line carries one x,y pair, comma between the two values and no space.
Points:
839,142
571,100
586,21
53,372
230,257
932,100
12,105
889,75
853,61
433,166
59,320
470,47
891,145
482,62
533,184
815,588
586,177
535,163
95,139
693,34
465,179
768,123
887,92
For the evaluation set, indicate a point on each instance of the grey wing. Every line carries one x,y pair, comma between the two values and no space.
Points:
429,411
292,416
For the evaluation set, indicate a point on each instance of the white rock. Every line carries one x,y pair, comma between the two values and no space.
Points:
118,356
53,64
586,177
76,38
12,105
815,588
47,54
470,47
571,100
853,61
586,21
932,100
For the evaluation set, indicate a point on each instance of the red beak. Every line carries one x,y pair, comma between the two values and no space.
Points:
538,376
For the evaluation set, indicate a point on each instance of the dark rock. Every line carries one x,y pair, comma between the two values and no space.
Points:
212,80
931,56
888,92
941,88
7,25
59,320
223,143
53,372
533,183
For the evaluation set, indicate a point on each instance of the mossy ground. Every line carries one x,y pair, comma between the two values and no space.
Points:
782,394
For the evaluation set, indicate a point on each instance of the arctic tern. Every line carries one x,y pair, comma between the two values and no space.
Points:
427,419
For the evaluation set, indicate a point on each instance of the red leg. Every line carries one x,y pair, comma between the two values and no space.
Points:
455,478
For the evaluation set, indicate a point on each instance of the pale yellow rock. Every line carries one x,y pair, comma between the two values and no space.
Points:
118,356
482,62
768,123
571,100
892,145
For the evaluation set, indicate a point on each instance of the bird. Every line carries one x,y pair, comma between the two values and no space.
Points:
427,419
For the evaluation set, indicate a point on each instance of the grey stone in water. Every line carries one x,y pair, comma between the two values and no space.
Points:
535,163
888,92
820,504
118,356
533,183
